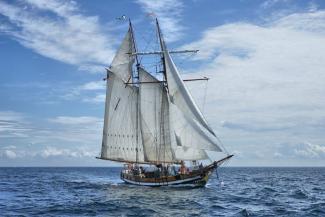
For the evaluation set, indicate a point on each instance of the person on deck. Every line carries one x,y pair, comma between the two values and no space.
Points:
182,168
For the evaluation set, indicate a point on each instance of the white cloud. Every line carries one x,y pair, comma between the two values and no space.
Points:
94,85
63,152
169,14
69,36
300,151
82,120
271,3
74,129
10,154
93,68
13,124
47,152
69,129
267,81
99,98
308,150
90,92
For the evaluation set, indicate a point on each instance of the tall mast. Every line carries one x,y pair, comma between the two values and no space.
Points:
137,103
162,47
135,49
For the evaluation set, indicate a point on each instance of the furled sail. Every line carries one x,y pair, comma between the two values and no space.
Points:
121,134
154,119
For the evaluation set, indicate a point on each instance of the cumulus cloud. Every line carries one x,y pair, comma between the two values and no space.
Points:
62,152
58,30
10,154
267,84
266,78
169,13
46,152
300,151
308,150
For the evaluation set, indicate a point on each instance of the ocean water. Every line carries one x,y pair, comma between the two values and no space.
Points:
99,192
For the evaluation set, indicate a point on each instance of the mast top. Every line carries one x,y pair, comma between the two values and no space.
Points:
134,43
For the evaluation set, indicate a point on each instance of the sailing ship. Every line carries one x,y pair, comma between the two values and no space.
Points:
155,122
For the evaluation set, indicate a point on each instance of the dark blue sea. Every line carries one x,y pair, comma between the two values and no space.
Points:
99,192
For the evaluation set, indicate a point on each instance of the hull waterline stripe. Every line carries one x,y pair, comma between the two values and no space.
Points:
184,181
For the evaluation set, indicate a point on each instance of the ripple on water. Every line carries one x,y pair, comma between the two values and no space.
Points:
99,192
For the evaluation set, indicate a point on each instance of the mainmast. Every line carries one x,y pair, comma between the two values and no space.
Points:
163,48
137,99
162,127
135,49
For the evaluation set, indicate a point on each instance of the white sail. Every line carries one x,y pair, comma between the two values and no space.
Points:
123,61
154,119
190,154
190,124
150,123
189,133
121,137
179,94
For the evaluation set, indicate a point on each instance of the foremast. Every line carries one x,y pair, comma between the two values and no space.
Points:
137,100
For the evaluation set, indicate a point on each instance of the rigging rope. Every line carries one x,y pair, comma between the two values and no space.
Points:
205,95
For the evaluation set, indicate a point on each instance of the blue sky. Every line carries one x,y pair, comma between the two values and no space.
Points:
266,61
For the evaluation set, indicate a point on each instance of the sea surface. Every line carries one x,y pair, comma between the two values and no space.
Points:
99,192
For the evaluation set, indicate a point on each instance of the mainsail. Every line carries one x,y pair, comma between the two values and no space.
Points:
155,119
151,121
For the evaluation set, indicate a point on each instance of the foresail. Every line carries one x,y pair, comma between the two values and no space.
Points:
123,60
154,118
179,94
189,124
120,140
189,133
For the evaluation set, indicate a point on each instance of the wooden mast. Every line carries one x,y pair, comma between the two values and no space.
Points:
137,104
162,47
162,127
